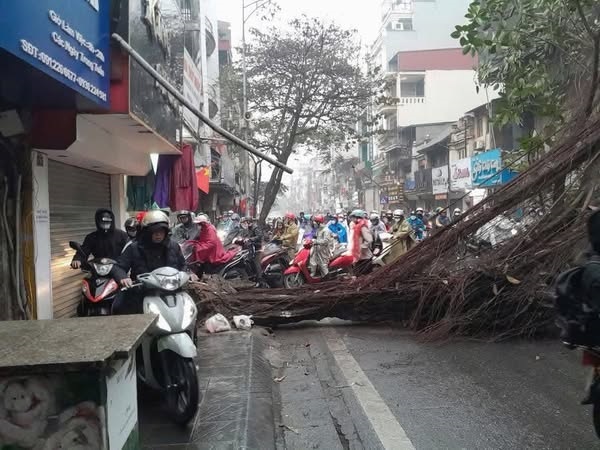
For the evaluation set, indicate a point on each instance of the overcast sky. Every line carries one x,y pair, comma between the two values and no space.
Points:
362,15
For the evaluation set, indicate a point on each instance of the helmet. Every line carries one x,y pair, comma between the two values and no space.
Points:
290,216
235,217
359,213
419,210
374,216
457,211
201,219
319,218
398,213
439,209
230,212
131,222
183,212
155,219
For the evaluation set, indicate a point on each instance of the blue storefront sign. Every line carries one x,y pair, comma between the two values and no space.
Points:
486,169
67,39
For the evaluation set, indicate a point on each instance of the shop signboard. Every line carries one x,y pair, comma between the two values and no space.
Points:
439,180
460,174
486,168
69,40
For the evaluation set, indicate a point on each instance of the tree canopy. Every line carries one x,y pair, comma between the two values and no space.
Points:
306,88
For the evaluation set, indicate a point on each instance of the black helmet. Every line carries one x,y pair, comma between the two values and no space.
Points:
131,223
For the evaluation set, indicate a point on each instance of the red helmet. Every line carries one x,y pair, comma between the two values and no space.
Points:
319,218
290,215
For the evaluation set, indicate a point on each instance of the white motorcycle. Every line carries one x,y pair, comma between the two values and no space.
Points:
166,355
380,255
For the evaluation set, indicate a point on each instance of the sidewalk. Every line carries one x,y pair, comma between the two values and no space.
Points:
236,408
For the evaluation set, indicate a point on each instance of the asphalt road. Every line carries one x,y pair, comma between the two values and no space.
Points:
373,387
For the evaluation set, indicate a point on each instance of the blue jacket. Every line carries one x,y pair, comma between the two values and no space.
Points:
417,225
340,230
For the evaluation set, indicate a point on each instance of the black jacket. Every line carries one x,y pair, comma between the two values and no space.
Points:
142,256
103,244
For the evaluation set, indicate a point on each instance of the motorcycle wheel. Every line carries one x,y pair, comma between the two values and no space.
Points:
596,417
183,400
293,280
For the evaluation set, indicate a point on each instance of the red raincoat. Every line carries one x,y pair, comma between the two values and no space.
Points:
208,248
183,193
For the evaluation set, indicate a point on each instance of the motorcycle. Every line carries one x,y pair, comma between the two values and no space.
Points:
239,267
382,250
98,288
298,273
165,358
273,262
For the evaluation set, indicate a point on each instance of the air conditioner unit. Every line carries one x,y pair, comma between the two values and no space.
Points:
480,144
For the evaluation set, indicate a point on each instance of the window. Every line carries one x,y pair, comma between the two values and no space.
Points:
412,88
402,25
463,153
479,126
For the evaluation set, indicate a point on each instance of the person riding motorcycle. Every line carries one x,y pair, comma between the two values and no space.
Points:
441,219
403,236
456,214
151,250
131,228
338,230
377,226
105,242
360,241
418,227
253,233
207,247
235,230
289,239
186,229
322,248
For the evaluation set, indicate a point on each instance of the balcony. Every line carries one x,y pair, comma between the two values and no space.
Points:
211,43
411,100
390,142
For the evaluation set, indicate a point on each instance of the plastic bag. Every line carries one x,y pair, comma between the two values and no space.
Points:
217,324
243,322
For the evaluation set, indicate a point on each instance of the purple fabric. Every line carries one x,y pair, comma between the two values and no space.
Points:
163,180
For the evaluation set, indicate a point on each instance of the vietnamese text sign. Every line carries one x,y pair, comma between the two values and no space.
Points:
486,168
67,39
192,89
460,174
439,180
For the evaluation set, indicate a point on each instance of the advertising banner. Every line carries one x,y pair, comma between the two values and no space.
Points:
192,89
460,174
486,168
439,180
69,40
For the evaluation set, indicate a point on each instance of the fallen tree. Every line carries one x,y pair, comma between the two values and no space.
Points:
502,293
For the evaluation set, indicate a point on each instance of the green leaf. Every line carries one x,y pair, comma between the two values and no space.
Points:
466,49
455,34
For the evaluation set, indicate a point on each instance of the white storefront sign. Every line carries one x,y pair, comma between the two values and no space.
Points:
439,180
192,89
460,174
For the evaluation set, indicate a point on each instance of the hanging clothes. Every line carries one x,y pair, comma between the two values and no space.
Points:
140,191
162,184
183,193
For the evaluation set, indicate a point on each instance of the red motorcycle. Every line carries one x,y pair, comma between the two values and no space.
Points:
298,273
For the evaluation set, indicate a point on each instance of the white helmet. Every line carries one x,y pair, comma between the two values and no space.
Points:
374,216
398,213
457,211
201,219
155,219
419,210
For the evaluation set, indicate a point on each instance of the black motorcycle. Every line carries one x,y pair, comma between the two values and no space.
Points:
98,288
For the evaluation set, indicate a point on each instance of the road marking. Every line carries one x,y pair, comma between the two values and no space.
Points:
389,432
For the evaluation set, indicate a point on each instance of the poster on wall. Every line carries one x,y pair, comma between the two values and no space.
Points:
52,412
460,174
439,180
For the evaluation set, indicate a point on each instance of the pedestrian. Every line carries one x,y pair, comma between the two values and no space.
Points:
359,242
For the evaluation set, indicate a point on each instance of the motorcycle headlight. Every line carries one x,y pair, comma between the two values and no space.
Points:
514,232
169,283
162,322
103,269
189,313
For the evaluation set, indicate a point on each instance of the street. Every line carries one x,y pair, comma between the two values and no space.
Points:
340,386
379,387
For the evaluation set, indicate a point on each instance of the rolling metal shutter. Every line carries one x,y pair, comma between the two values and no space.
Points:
75,194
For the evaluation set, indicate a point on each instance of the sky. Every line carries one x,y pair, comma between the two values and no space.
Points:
362,15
